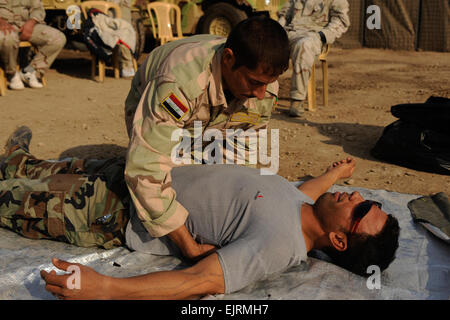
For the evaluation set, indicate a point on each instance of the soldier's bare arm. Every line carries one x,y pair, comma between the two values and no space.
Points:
149,164
188,246
314,188
205,277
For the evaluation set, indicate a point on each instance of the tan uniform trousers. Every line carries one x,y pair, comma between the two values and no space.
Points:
49,42
126,57
305,49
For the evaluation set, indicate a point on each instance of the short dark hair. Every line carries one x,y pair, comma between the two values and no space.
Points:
260,41
364,250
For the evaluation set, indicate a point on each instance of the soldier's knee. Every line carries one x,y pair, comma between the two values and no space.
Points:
60,39
310,43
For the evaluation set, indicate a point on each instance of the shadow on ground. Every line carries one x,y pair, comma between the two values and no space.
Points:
95,151
356,139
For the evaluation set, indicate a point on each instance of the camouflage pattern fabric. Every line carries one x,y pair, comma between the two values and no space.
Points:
302,20
17,12
187,72
49,41
81,202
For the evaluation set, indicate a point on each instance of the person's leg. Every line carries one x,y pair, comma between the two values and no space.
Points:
82,202
9,50
49,42
126,59
304,52
76,209
18,162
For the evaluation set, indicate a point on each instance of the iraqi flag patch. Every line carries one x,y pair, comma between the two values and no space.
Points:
174,106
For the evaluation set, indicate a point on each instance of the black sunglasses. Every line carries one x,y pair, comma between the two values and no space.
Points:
360,212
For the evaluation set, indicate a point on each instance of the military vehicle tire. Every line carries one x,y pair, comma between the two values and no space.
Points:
138,25
220,18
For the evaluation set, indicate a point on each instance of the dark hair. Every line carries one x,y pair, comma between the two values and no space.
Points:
364,250
260,41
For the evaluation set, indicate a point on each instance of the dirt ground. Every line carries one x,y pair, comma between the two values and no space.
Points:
76,116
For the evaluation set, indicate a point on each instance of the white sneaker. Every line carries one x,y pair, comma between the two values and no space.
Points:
16,83
127,73
30,79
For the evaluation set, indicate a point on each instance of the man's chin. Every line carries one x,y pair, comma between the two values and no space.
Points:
324,197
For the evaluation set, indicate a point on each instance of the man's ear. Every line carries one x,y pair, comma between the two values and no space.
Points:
338,240
228,58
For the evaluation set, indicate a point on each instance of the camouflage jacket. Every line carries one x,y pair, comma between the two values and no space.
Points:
179,84
17,12
329,16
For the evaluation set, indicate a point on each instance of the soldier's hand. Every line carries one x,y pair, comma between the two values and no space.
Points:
201,251
6,28
190,248
27,30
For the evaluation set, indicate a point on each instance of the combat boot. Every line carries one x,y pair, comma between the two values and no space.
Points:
21,138
297,108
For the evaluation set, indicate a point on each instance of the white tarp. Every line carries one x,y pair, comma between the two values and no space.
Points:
420,271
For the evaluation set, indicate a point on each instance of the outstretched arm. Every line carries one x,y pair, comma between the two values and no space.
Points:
205,277
314,188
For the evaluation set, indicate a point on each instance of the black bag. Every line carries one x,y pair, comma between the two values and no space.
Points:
420,139
93,41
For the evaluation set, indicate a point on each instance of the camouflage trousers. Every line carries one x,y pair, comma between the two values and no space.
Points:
49,42
305,49
81,202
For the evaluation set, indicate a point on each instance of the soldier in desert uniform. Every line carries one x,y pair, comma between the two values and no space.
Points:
23,20
310,24
220,83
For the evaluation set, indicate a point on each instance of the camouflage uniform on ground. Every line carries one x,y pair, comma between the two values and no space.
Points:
49,41
185,77
303,20
82,202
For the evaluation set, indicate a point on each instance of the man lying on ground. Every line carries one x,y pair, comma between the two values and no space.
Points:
258,225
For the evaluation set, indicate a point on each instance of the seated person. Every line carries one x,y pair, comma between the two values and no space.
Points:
310,24
256,225
23,20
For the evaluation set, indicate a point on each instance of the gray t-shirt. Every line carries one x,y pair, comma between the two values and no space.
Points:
254,220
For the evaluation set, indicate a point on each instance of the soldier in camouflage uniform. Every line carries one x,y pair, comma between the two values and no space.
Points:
310,25
81,202
222,83
23,20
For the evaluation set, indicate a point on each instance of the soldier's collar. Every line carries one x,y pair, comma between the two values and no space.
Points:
215,90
